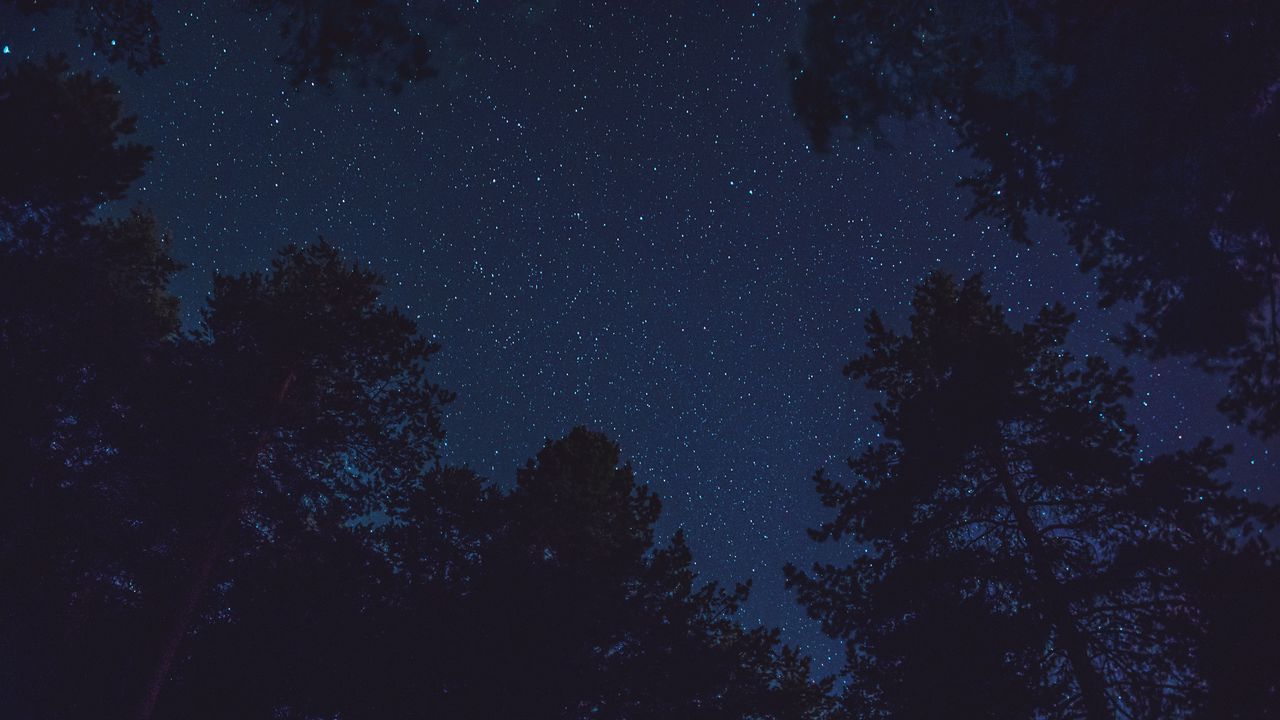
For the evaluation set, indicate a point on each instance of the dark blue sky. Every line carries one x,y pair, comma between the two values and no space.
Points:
609,217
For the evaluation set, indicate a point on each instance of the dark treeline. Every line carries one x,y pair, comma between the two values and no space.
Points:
250,517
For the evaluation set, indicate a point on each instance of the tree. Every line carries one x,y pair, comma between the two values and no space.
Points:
334,625
545,602
85,322
86,318
120,30
310,405
1147,129
580,616
64,151
370,42
139,461
143,478
1240,658
1018,557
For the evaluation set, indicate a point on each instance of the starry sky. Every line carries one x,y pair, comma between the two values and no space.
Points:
607,215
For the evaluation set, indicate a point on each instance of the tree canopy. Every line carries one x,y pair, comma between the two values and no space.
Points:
366,42
69,150
1149,130
1015,555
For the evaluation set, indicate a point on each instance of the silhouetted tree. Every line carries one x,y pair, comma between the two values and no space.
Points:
332,625
547,602
85,321
370,42
575,614
316,409
142,473
1148,129
1017,557
64,151
1239,659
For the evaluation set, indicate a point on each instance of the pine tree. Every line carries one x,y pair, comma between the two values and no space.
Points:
580,615
1147,129
1016,556
307,404
549,601
65,151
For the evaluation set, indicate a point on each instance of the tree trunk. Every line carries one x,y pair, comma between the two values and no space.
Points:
1092,688
199,580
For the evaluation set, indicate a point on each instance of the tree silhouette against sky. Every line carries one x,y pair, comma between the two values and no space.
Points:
1148,130
1014,555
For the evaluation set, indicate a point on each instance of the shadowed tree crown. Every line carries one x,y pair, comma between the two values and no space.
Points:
1148,129
578,502
65,151
1012,542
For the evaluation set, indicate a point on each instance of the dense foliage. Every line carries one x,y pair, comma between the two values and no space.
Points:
1011,541
1148,129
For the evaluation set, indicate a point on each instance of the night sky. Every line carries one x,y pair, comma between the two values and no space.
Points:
610,217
